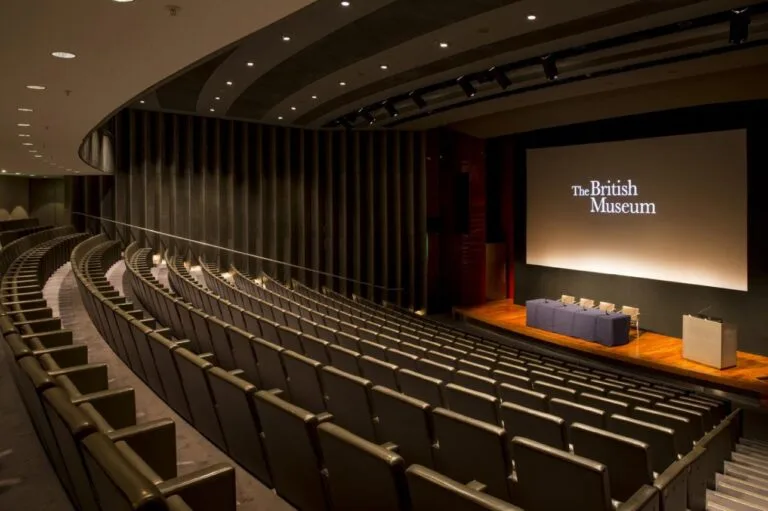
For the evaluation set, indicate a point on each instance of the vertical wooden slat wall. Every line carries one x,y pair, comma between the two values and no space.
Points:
350,204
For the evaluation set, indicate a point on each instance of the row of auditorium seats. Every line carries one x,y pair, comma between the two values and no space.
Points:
209,488
88,430
9,236
18,223
245,414
291,359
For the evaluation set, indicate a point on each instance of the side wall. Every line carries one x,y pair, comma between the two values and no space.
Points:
14,197
661,303
351,204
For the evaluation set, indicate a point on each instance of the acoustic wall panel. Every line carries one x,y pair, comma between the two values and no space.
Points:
342,209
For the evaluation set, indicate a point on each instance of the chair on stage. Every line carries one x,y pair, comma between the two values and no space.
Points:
606,307
568,299
634,317
586,303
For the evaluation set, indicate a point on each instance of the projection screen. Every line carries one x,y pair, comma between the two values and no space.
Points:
667,208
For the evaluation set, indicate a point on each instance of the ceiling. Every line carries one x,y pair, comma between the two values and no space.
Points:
122,49
284,61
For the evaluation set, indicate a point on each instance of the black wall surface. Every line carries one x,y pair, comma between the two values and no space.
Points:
662,304
345,203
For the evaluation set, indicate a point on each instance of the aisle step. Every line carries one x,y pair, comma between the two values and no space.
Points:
752,452
758,488
729,502
743,471
757,444
752,461
737,491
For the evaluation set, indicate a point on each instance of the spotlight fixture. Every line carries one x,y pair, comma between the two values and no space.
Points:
466,86
63,55
384,67
368,116
142,101
417,99
217,98
443,45
279,117
293,108
345,4
36,87
249,64
2,171
213,109
21,109
391,110
739,29
33,151
38,156
343,84
27,143
229,83
500,76
550,67
531,17
314,97
286,38
122,1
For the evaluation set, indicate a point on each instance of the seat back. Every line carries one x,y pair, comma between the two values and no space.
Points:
540,426
475,382
290,338
523,397
472,450
162,350
245,359
538,466
239,421
480,406
431,490
554,390
270,364
677,423
293,450
378,371
361,474
435,369
628,460
609,406
407,422
402,359
421,387
304,383
574,412
344,359
661,440
315,348
348,398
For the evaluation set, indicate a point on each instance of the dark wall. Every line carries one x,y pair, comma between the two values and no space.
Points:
14,197
346,203
661,303
49,200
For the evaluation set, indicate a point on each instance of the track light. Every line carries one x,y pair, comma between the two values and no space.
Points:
466,86
501,77
368,116
739,30
550,67
418,100
391,110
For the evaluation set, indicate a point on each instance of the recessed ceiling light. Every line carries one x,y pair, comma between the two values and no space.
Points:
293,108
142,101
33,150
24,109
2,171
286,38
36,87
229,83
213,109
122,1
249,64
217,98
24,134
314,97
38,156
18,173
32,175
345,4
384,67
63,55
531,17
443,45
279,117
27,143
23,125
342,83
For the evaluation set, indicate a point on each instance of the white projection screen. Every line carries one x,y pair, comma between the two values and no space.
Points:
667,208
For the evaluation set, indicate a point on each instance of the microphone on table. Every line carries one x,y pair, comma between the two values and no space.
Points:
702,311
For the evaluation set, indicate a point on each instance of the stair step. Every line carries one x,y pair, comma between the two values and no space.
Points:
759,488
755,443
745,472
740,493
752,461
752,452
729,502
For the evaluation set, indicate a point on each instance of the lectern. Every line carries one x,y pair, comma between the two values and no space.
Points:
708,342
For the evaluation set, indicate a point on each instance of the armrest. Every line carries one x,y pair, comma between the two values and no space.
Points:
52,339
476,485
207,356
324,417
117,406
236,372
209,488
391,447
644,499
87,378
61,356
154,442
38,313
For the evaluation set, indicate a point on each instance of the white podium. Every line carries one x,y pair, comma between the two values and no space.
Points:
709,342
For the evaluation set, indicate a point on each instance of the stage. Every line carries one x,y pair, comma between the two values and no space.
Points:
649,350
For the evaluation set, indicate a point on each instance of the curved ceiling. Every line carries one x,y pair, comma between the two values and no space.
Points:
330,61
122,49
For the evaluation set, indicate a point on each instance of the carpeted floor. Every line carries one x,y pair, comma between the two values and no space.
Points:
194,450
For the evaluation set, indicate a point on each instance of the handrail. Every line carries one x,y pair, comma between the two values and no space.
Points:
238,252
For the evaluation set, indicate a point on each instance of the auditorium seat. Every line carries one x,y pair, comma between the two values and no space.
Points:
472,450
553,390
534,424
405,421
435,369
431,490
681,426
293,450
573,412
344,359
241,342
478,405
361,474
290,338
304,382
518,380
315,348
523,397
373,349
378,371
610,406
475,382
162,351
421,386
661,440
348,399
402,360
270,365
696,419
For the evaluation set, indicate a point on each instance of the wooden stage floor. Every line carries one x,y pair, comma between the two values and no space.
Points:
649,350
